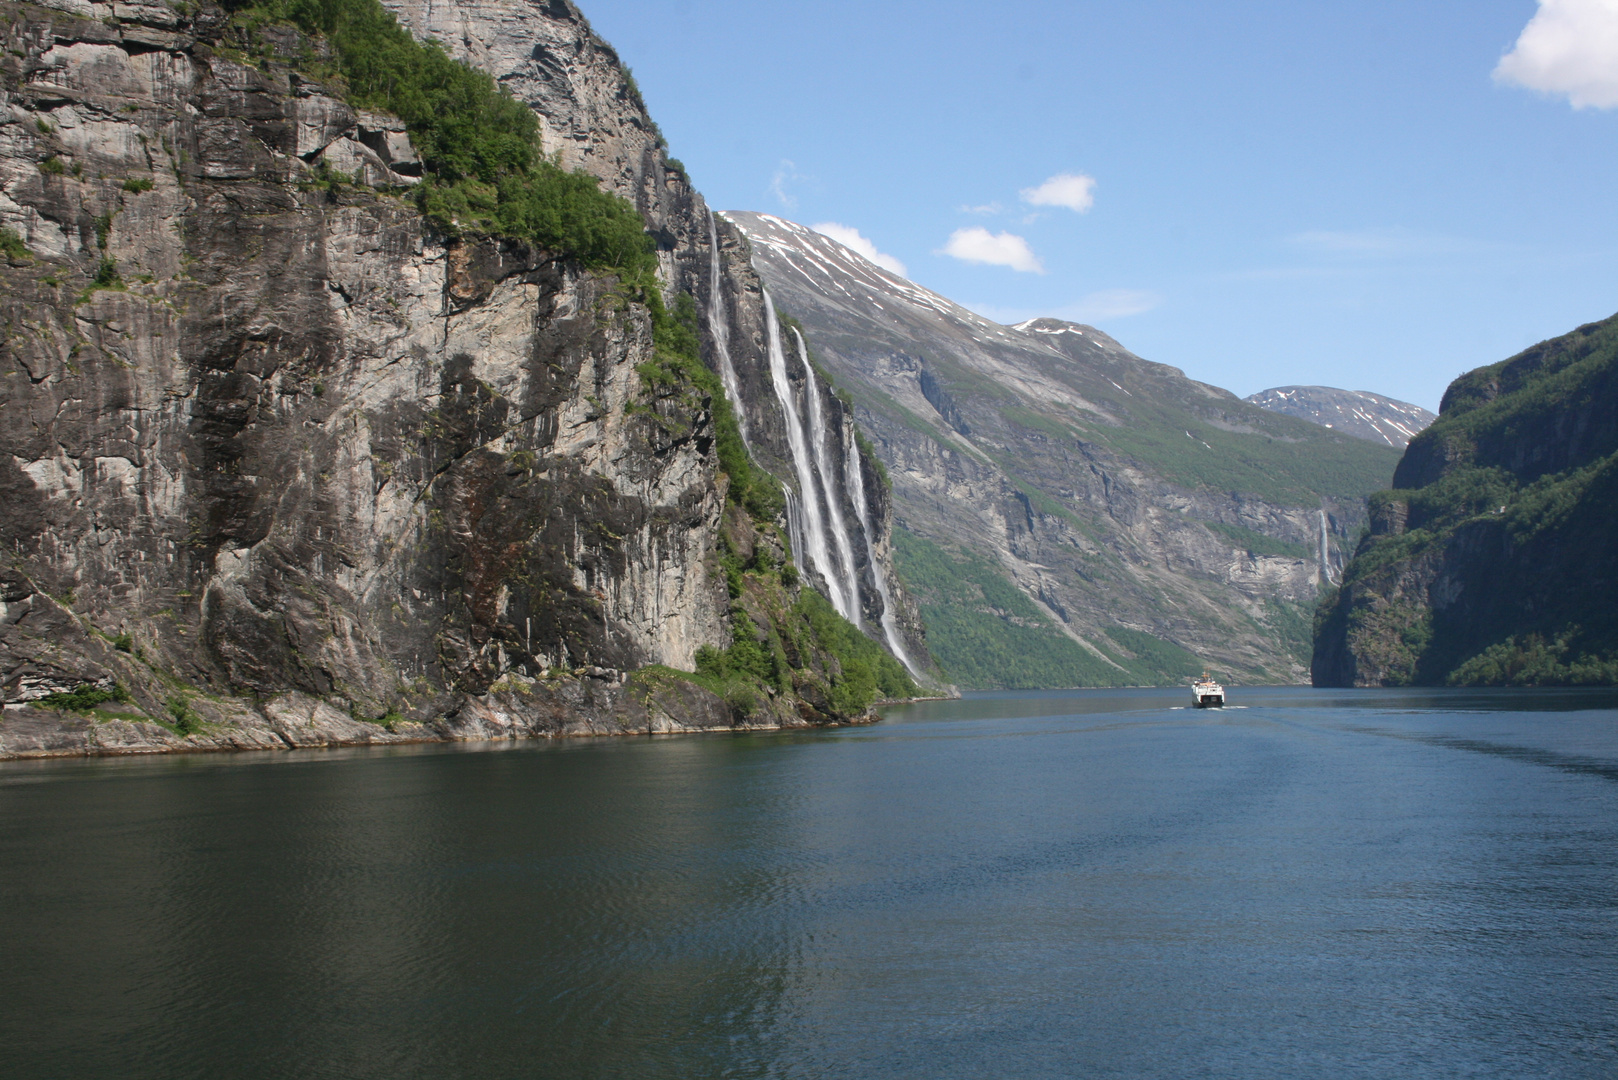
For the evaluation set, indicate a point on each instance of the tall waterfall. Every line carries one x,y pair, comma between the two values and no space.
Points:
1325,548
834,510
719,326
809,531
855,481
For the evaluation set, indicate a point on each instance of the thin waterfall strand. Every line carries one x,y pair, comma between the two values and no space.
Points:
814,553
719,328
794,522
855,480
834,509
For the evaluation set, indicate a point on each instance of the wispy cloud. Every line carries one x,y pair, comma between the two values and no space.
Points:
851,238
785,173
1072,190
986,208
1289,273
999,313
1385,243
1336,253
1569,47
1112,304
979,245
1102,306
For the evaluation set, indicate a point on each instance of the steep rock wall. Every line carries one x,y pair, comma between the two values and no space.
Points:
266,438
592,119
1491,561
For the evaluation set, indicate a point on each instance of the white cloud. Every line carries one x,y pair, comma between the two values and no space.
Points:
986,208
979,245
1569,47
850,238
785,173
1072,190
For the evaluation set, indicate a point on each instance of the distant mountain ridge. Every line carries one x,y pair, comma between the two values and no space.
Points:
1066,512
1359,413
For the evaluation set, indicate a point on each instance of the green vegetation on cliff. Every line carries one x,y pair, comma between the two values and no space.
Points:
484,172
483,167
1492,560
807,625
789,640
12,246
986,634
678,366
1278,458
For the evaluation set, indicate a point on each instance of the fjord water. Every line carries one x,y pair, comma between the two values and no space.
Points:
1085,884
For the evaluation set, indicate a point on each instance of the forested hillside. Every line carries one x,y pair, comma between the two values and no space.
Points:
1493,559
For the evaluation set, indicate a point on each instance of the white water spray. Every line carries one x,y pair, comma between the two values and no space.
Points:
810,530
719,327
855,480
834,509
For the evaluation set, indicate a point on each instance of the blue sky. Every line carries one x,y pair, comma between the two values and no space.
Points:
1280,192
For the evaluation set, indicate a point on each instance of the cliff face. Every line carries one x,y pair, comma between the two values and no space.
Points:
1075,514
1492,562
593,120
280,461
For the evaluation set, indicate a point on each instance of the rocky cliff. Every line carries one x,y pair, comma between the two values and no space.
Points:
1359,413
285,462
1492,561
1071,514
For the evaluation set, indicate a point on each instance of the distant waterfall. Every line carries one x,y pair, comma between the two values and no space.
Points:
1325,548
855,481
719,326
809,532
834,510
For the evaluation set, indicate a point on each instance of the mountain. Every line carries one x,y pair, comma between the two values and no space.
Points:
1359,413
1492,562
349,399
1069,513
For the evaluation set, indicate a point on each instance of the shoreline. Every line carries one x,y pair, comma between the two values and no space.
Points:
297,722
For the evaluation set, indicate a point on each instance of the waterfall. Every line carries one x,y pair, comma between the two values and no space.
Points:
855,480
834,509
815,520
811,526
719,327
1325,548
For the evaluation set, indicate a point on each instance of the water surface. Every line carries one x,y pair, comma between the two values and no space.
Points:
1071,884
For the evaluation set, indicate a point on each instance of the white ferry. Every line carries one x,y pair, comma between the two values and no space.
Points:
1207,694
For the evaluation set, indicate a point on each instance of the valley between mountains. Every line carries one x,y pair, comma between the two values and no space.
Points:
1067,512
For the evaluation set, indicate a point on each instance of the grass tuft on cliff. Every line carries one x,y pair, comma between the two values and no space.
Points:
13,247
483,169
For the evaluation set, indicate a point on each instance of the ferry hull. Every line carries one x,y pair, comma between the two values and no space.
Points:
1207,694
